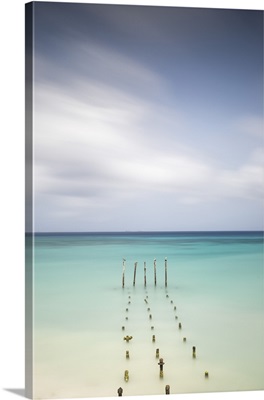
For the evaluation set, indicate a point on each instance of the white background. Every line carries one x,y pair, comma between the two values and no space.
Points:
12,194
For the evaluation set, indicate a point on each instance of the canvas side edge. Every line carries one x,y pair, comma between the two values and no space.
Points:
29,8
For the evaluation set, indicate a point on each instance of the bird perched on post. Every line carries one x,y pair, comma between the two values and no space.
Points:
128,338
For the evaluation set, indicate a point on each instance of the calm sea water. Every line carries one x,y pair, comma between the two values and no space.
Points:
215,282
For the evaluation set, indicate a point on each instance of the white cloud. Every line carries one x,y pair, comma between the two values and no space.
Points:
246,181
88,147
98,145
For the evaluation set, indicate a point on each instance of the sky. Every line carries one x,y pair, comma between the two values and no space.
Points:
147,118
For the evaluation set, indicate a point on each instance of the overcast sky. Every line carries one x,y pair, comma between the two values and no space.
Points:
147,118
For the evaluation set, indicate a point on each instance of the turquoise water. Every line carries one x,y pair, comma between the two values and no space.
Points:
215,281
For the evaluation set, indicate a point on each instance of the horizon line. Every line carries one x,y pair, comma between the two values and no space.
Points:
149,231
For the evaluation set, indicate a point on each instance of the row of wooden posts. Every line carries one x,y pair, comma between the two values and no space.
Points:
145,273
128,338
161,362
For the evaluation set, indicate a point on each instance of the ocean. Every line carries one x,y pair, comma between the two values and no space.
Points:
213,301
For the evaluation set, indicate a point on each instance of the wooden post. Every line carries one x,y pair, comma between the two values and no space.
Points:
120,391
166,272
123,274
155,275
167,389
145,271
126,375
135,271
161,363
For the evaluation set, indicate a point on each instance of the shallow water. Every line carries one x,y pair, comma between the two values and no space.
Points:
215,281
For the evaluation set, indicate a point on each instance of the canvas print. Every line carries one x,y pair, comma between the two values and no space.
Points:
144,200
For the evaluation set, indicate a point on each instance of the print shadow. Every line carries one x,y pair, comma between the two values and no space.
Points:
19,392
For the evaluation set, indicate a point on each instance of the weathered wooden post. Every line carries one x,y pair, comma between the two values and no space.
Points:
123,274
145,274
126,375
194,352
167,389
161,363
135,271
166,272
155,275
157,353
120,391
